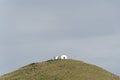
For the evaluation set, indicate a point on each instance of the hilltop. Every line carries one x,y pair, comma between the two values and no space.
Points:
60,70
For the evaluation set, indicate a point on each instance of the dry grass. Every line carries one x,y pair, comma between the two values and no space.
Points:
60,70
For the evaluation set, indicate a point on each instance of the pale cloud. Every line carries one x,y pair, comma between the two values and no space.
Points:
32,31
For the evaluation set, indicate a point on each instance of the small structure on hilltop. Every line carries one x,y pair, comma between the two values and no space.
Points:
60,57
56,57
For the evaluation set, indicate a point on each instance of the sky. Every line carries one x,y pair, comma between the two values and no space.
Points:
37,30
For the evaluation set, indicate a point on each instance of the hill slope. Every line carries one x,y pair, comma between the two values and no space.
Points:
60,70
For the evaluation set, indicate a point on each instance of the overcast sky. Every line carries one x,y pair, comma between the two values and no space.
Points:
37,30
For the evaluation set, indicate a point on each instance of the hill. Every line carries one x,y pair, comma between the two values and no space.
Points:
60,70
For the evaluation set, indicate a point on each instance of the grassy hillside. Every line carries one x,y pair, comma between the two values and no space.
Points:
60,70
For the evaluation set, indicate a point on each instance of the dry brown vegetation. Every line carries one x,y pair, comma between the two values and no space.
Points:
60,70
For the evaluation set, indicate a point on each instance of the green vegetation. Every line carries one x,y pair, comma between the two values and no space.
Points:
60,70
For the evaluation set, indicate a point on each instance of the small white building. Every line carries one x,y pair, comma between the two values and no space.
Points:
63,57
60,57
56,57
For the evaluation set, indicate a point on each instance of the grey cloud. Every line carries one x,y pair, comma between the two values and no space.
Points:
37,30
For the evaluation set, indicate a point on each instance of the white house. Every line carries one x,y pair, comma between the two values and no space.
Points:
60,57
56,57
63,57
